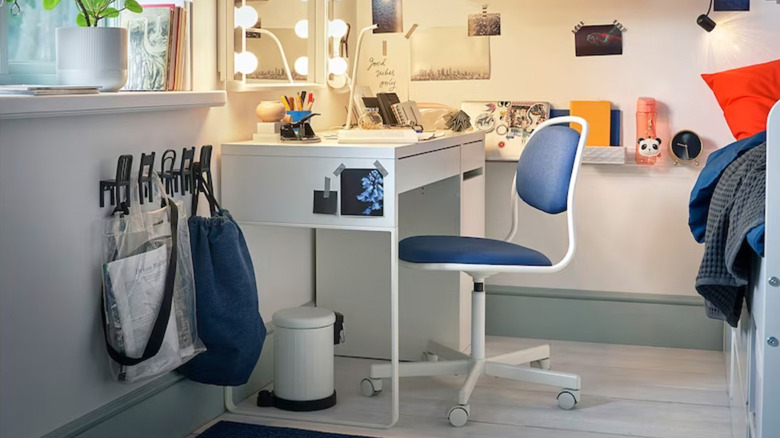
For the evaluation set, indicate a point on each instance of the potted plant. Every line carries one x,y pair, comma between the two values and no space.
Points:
92,55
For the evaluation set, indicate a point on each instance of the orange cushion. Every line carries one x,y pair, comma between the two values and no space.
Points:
746,95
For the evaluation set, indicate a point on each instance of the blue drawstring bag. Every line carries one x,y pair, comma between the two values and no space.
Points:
229,321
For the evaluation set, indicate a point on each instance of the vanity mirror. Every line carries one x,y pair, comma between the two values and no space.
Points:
271,43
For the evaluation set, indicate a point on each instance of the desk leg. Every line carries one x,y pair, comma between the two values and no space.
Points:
231,407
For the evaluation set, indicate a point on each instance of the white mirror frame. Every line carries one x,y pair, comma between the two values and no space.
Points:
226,48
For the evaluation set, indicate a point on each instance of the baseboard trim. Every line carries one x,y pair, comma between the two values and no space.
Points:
115,407
167,407
606,317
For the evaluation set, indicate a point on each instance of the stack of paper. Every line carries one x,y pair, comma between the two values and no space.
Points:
597,114
48,90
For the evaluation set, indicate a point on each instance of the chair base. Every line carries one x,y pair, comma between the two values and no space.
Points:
508,366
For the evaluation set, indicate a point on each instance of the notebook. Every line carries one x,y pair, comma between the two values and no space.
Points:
406,113
597,114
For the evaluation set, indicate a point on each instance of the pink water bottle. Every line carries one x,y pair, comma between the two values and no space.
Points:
648,146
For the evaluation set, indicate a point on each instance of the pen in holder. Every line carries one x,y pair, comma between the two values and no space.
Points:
299,131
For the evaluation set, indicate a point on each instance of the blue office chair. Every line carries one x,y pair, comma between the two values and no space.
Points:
545,179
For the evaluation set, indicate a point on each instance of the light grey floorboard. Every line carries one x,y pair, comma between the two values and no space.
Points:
628,391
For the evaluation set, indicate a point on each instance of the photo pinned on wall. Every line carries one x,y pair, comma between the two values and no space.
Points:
448,54
485,24
507,125
731,5
388,15
598,40
362,192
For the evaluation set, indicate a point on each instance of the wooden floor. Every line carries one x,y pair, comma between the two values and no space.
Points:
627,391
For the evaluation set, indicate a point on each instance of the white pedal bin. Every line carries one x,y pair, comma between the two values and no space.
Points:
303,359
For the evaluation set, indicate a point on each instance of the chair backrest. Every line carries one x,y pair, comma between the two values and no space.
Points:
544,170
547,175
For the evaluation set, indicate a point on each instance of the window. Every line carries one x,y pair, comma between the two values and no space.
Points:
27,40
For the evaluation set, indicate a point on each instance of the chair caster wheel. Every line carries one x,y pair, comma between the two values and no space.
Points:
458,415
568,398
429,356
370,387
543,364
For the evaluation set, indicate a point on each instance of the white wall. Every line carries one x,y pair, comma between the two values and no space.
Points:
632,223
53,365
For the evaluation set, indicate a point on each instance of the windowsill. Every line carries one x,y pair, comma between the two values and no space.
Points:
17,107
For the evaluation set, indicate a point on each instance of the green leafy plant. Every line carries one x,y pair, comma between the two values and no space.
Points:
92,11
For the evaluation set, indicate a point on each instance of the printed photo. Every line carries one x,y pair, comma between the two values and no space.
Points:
731,5
448,54
485,24
388,15
362,192
598,40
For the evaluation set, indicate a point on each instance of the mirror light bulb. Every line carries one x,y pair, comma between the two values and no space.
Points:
246,17
337,28
302,66
337,65
302,28
246,62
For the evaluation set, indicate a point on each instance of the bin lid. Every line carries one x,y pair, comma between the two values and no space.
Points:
304,318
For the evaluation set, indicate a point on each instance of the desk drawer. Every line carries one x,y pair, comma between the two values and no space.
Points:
472,156
280,190
419,170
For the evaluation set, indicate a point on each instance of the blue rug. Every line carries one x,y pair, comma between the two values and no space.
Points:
230,429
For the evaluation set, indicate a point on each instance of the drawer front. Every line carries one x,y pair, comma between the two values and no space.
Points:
280,190
419,170
472,156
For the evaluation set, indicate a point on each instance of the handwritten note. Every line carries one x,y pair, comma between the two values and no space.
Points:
384,75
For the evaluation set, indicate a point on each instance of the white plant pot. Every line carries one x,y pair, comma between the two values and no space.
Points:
92,56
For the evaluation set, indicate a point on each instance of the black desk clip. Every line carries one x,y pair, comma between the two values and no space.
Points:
123,166
299,132
184,173
166,172
145,176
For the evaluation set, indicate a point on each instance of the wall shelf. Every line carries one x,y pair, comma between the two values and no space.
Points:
19,107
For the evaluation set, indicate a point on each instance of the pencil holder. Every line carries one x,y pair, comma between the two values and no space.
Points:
298,115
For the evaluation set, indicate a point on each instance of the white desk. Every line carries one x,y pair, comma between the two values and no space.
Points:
275,184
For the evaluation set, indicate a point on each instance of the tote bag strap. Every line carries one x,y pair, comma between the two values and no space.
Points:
200,184
163,315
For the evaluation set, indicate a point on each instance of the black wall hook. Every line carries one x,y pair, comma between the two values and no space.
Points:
184,173
145,176
124,164
166,171
205,166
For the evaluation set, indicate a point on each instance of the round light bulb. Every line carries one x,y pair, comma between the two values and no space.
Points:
246,62
302,66
246,17
337,65
302,28
337,28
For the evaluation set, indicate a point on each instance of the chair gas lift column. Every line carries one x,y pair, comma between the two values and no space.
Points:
546,177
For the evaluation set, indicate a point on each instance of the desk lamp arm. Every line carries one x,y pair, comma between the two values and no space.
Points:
354,74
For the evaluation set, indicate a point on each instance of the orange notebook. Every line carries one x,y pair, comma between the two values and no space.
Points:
597,114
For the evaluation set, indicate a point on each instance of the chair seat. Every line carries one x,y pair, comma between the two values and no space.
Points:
468,250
